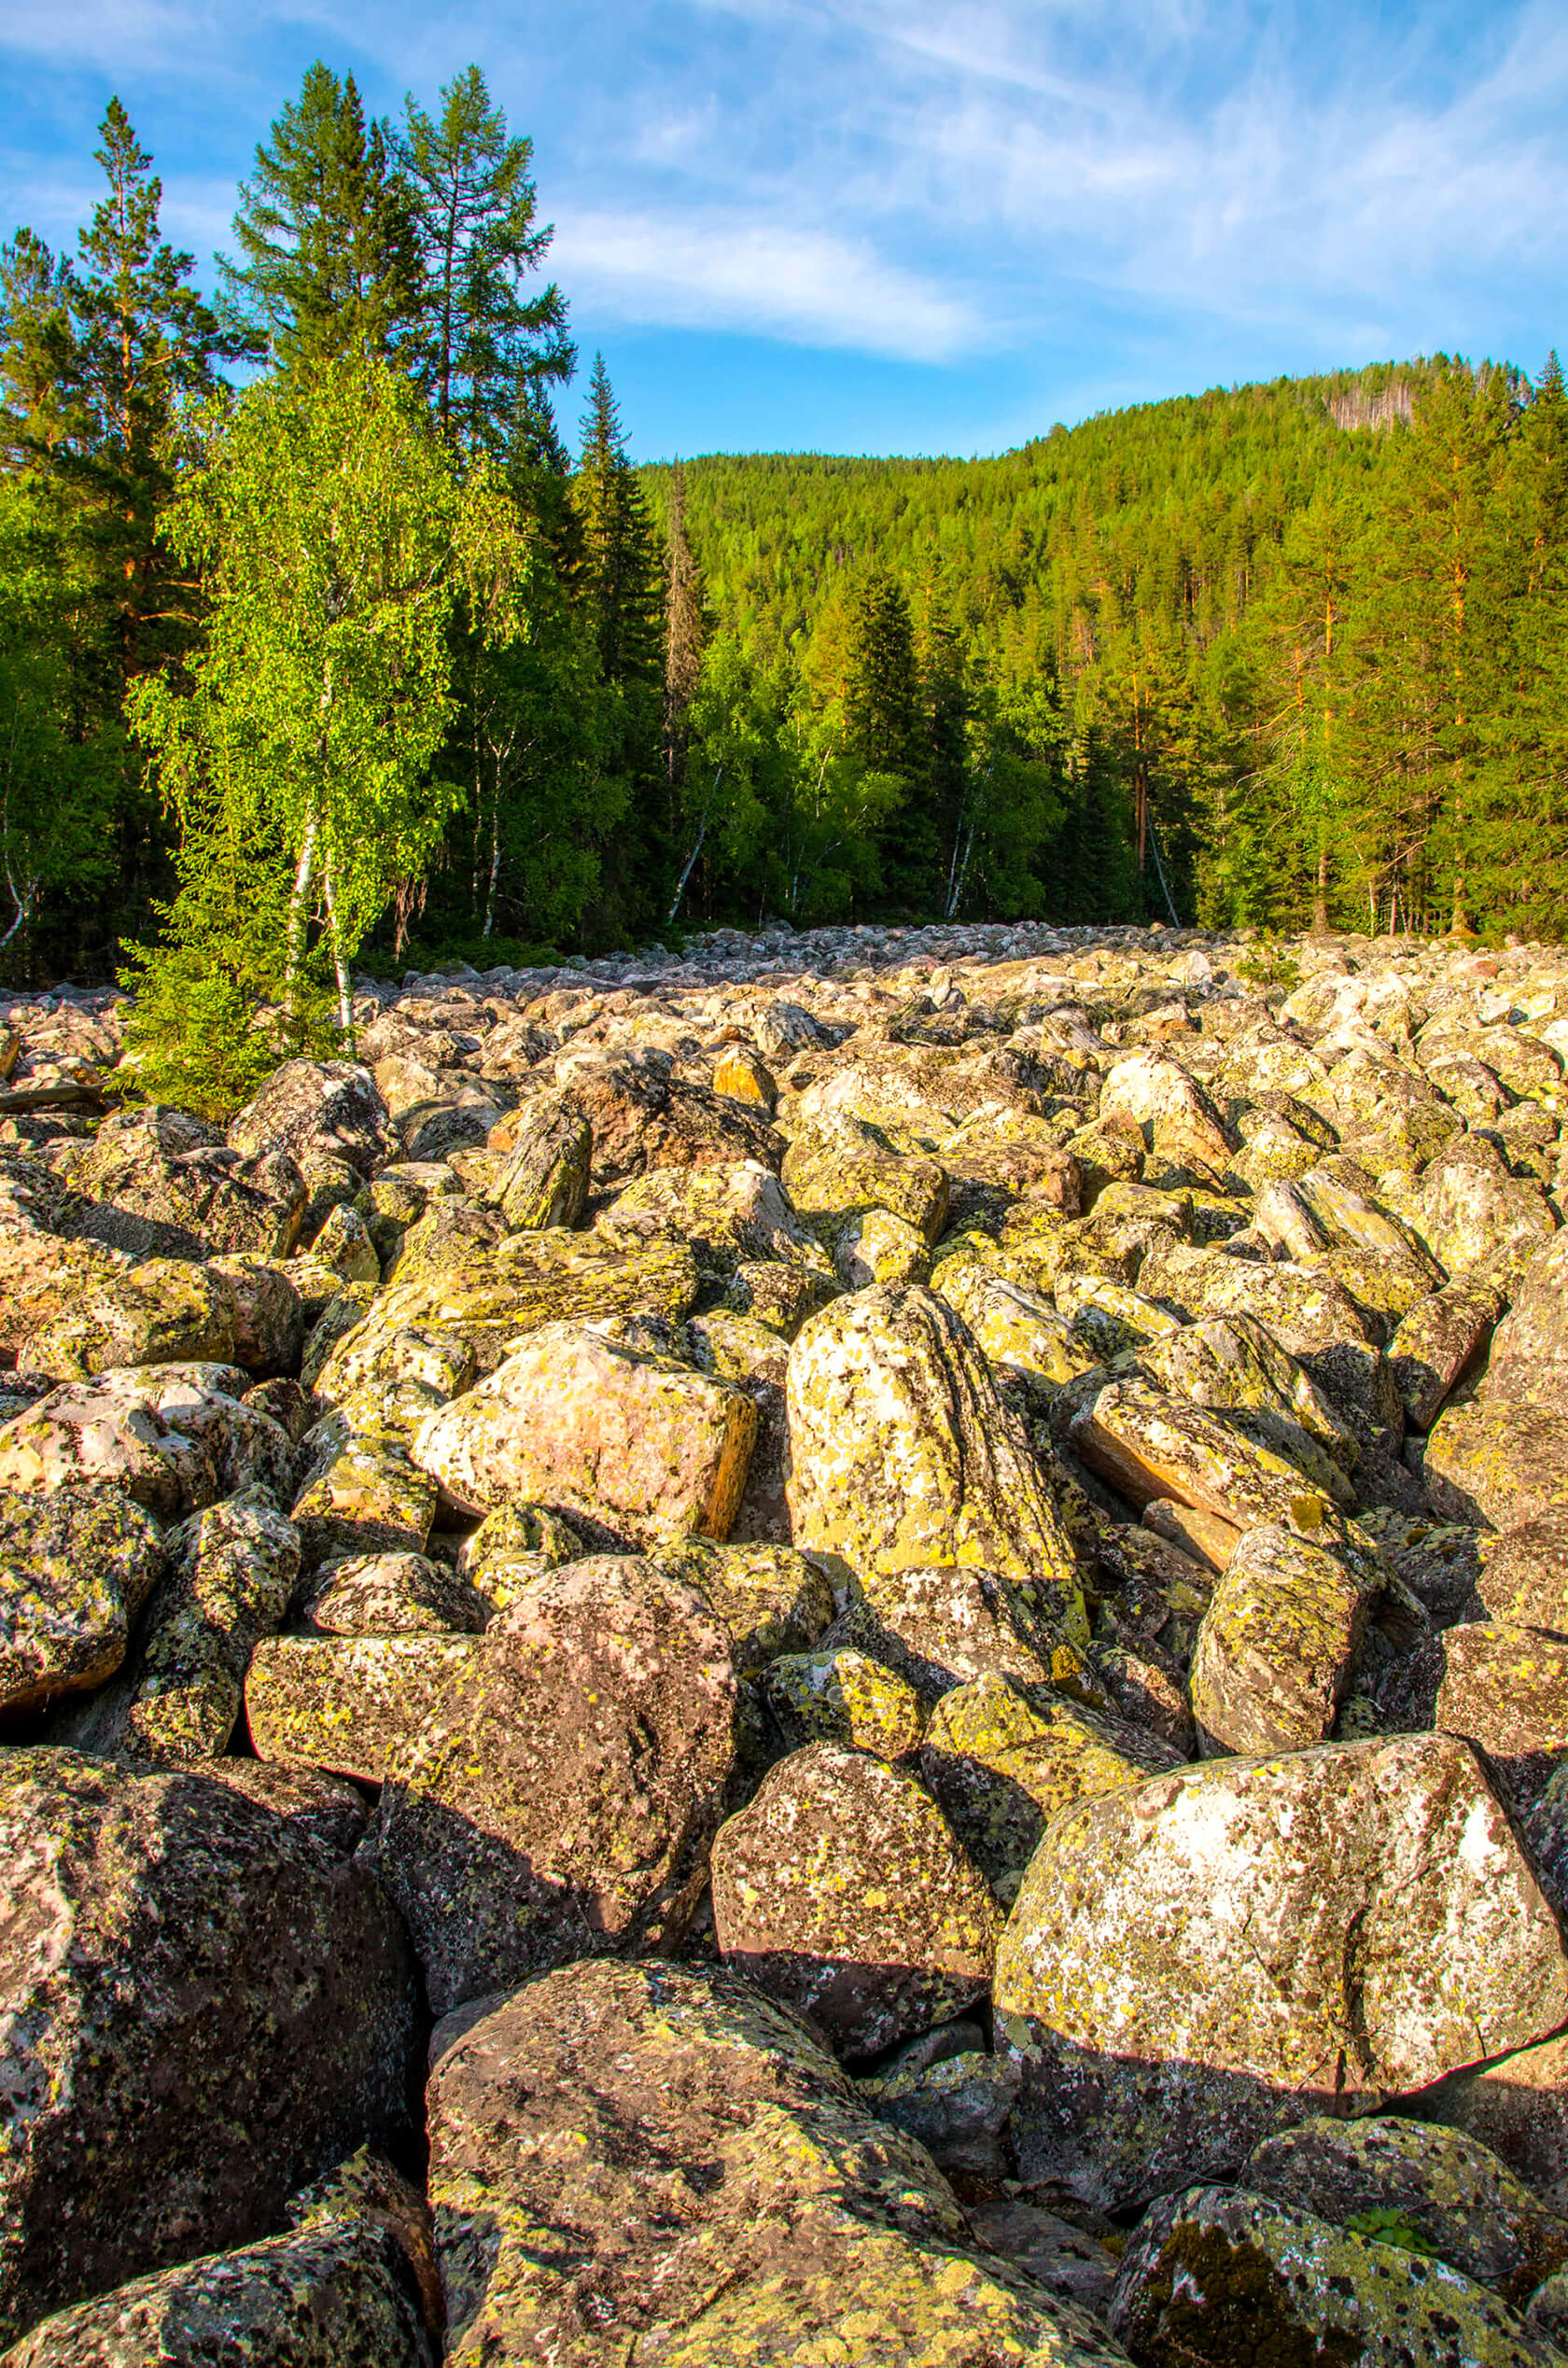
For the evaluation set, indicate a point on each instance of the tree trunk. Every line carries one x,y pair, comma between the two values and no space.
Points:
345,998
299,917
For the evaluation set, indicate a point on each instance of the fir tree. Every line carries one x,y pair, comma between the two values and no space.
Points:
329,253
480,345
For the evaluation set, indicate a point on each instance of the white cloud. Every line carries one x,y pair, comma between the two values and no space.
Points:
708,272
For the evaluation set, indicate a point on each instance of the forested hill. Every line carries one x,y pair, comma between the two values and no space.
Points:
1165,503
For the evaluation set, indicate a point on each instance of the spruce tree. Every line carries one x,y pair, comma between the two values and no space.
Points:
886,733
329,253
480,343
686,626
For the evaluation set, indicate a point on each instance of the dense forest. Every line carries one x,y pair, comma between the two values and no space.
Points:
319,645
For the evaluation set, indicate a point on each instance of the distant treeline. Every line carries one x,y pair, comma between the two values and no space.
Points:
318,645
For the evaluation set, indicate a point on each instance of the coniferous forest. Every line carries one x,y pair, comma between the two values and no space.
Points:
337,627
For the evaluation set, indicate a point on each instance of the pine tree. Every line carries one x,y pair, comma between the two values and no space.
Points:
886,733
686,626
330,252
480,343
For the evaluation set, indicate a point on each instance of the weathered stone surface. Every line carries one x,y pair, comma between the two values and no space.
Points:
394,1595
686,2178
1175,1115
87,1436
1152,1446
329,1109
204,2006
1233,1366
1225,1950
642,1117
1452,2194
549,1788
1523,1577
638,1442
160,1185
1530,1354
1518,2109
940,1628
1278,1642
364,1497
1436,1341
1507,1688
905,1456
495,1296
1023,1336
349,2286
178,1699
544,1180
837,1166
843,1892
843,1697
76,1568
1220,2275
730,1216
1497,1461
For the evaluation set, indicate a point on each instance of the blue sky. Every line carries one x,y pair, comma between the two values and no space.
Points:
905,225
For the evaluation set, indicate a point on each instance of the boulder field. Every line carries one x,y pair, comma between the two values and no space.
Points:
849,1651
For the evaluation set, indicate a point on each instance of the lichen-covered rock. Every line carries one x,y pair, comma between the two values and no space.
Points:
877,1247
1305,1309
1002,1765
269,1314
204,2006
159,1183
98,1436
940,1628
344,1245
1523,1577
837,1166
1435,1343
76,1568
71,1309
1023,1336
394,1595
768,1599
729,1216
544,1180
232,1569
1153,1447
843,1892
656,2161
636,1441
325,1109
347,2286
366,1497
958,2108
1497,1461
905,1456
750,1355
1507,1688
549,1790
1225,1950
204,1403
495,1295
1175,1115
842,1698
642,1117
1278,1643
1449,2192
1223,2277
1530,1354
1518,2109
1232,1365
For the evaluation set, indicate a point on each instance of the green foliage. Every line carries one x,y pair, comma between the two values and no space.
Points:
334,540
1265,965
330,250
1384,2224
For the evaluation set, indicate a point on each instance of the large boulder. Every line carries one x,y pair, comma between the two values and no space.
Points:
905,1456
208,2002
1150,1447
837,1167
642,1116
320,1109
1278,1643
1217,2275
656,2162
1228,1949
636,1441
549,1788
544,1180
730,1216
1498,1460
351,2284
843,1892
96,1436
160,1184
76,1568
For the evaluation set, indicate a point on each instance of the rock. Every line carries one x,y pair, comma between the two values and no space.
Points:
655,2159
1524,1579
642,1117
232,1571
1217,2275
905,1456
511,1548
203,1403
269,1314
768,1599
76,1568
544,1181
1435,1343
1170,1108
1233,1366
1497,1462
742,1077
1508,1689
1021,1335
1152,1446
1518,2109
956,2108
1445,2190
842,1697
343,2287
837,1167
1475,1214
842,1892
162,1185
364,1497
729,1216
940,1628
749,1356
327,1109
1276,1646
638,1442
1304,1308
1377,1927
1073,2266
96,1436
1003,1763
394,1595
549,1790
344,1245
71,1309
205,2007
495,1297
1530,1354
877,1247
